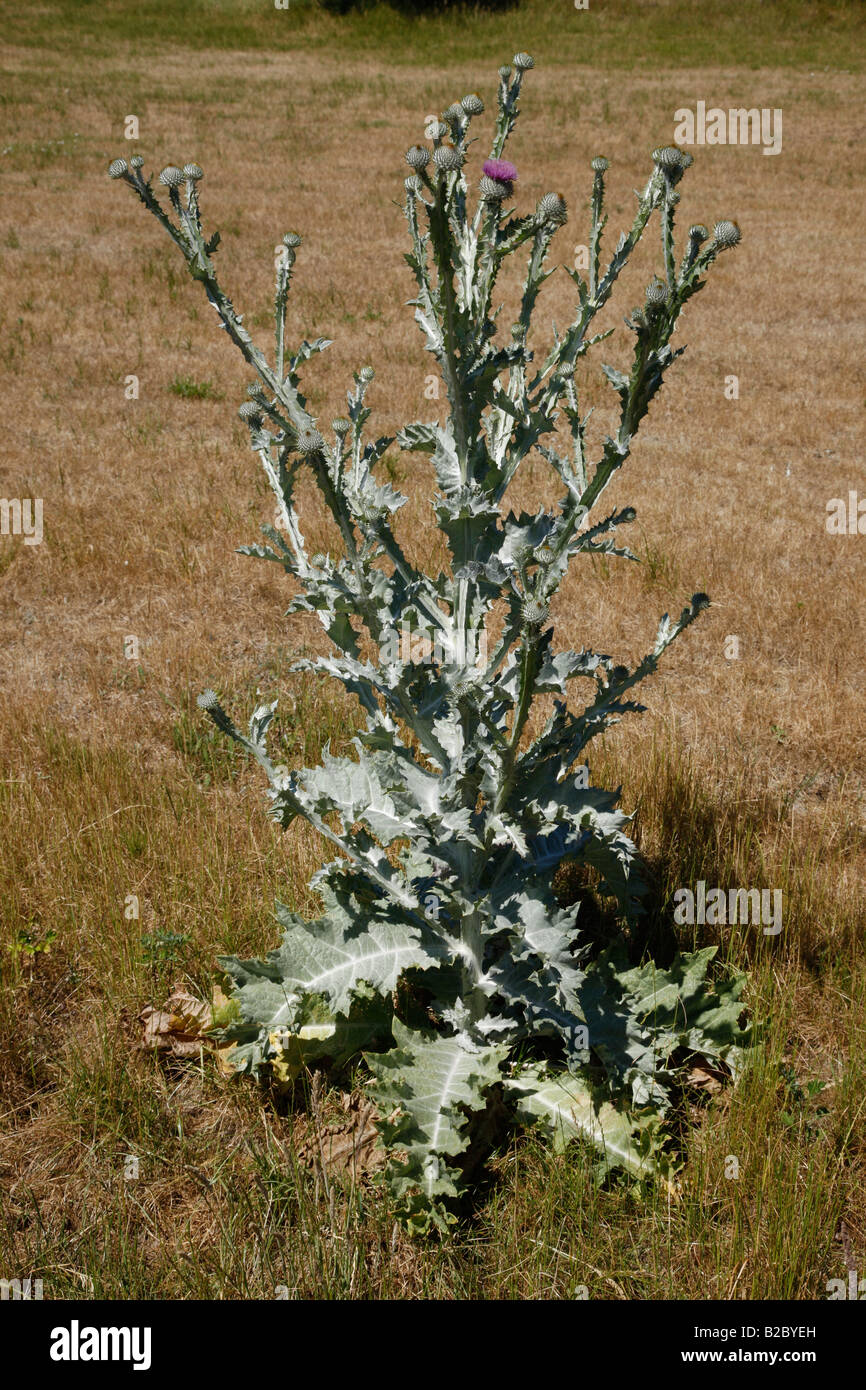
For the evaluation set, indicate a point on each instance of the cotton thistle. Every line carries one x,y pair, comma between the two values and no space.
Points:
171,176
454,785
117,168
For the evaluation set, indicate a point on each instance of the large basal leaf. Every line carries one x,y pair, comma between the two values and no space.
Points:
565,1106
431,1081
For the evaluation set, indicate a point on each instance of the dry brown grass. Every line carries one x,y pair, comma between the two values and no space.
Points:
110,786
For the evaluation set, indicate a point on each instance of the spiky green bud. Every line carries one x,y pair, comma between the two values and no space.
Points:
472,104
523,61
171,176
193,172
418,157
117,168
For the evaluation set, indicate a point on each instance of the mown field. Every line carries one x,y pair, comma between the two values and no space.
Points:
743,772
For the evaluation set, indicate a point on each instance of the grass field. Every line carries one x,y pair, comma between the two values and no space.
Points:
747,771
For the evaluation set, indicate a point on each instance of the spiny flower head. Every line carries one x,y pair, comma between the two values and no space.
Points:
669,157
600,165
310,442
136,162
171,176
250,413
492,191
446,156
553,208
472,104
726,234
418,157
534,612
698,233
193,172
522,61
292,240
657,293
117,168
341,426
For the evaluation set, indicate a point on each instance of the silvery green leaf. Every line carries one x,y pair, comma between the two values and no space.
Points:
566,1107
334,959
432,1081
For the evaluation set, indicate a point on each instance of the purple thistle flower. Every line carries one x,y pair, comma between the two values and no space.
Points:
500,169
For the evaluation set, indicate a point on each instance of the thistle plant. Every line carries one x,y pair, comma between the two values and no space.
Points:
443,956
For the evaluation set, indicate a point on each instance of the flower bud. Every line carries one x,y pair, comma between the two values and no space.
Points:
522,61
472,104
698,233
534,612
341,426
171,176
117,168
726,234
366,374
600,165
436,131
553,208
505,72
193,172
413,184
454,112
250,413
310,442
136,162
291,239
418,156
657,293
446,156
